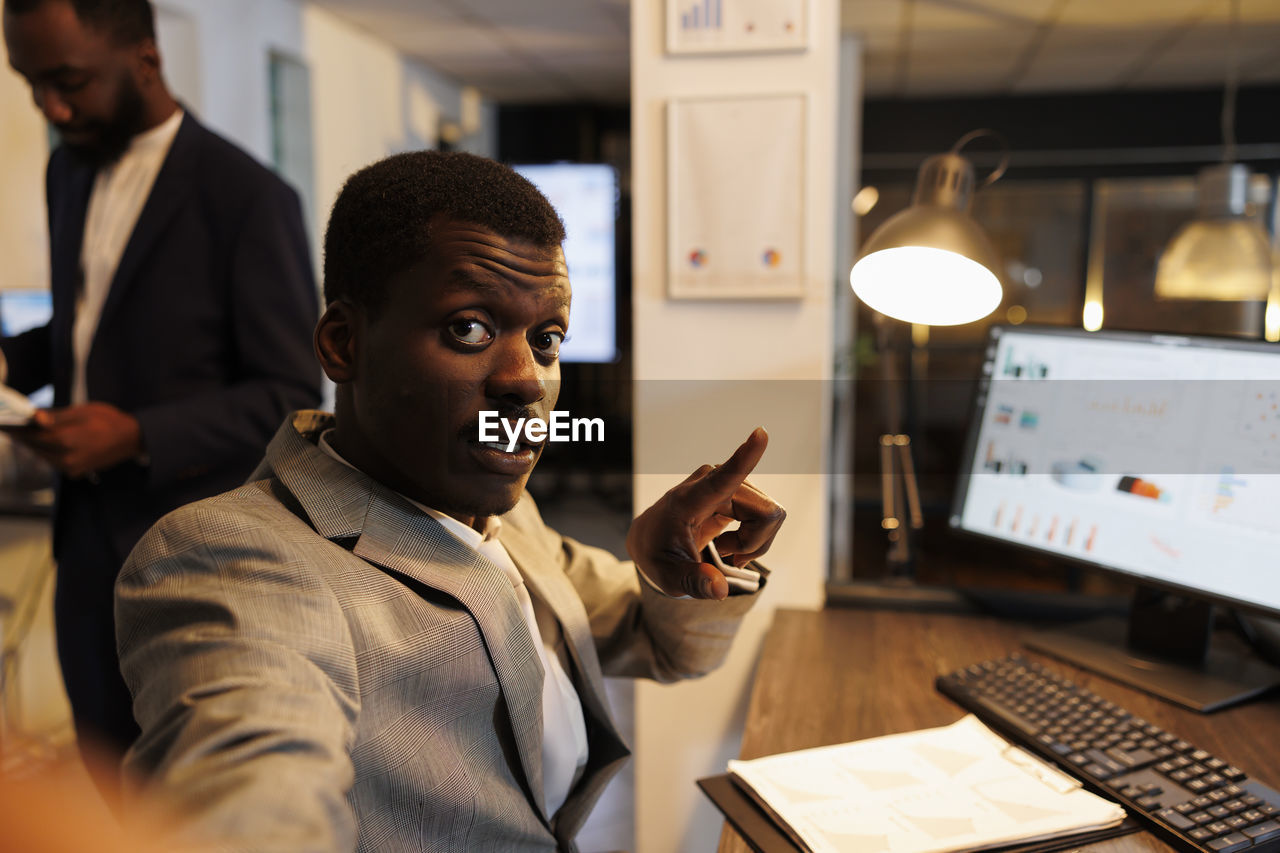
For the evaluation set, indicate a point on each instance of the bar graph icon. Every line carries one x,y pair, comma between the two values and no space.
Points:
708,26
703,15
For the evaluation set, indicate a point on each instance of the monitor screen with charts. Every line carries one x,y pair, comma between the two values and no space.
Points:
1155,456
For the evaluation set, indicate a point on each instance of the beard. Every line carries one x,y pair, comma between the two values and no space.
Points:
111,136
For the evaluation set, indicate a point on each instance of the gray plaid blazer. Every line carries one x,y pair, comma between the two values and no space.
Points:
317,665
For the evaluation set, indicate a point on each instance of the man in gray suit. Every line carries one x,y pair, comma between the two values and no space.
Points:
376,643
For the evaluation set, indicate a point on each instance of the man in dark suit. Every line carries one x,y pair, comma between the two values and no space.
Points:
183,303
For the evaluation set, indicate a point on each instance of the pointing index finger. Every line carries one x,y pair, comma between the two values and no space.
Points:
722,482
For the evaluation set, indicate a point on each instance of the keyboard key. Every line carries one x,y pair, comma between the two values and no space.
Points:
1133,759
1231,843
1263,831
1175,819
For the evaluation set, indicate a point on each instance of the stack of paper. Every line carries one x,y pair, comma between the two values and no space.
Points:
959,787
15,408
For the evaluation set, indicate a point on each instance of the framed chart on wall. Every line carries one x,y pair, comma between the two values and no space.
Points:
736,174
736,26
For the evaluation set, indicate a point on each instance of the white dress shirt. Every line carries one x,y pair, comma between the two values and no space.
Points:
564,729
119,192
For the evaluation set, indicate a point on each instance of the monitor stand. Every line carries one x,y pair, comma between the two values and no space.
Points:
1165,649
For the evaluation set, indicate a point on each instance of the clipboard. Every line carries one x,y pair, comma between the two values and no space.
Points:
762,835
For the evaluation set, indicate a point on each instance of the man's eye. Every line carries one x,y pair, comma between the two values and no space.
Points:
470,331
548,343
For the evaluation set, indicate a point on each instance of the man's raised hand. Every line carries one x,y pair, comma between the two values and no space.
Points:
667,539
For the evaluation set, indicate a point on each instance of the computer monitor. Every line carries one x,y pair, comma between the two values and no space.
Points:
586,197
23,309
1155,457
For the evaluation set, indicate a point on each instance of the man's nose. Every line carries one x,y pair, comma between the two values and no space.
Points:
51,104
517,376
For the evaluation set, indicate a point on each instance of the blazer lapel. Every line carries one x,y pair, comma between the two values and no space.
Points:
405,540
608,750
171,188
553,588
342,503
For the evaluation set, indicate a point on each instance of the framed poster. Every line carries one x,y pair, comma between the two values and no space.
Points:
737,26
736,176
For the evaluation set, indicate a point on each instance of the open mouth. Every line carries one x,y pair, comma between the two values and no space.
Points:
494,456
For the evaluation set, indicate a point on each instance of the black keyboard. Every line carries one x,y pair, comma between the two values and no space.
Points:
1189,798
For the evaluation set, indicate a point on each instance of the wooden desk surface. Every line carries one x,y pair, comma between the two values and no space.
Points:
839,675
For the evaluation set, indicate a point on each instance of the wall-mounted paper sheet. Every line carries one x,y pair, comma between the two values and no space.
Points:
736,176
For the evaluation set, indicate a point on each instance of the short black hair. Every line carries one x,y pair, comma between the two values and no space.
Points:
126,21
381,224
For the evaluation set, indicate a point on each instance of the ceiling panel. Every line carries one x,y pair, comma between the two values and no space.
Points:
1102,15
520,50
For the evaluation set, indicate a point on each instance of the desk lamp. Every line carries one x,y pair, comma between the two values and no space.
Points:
931,263
1221,254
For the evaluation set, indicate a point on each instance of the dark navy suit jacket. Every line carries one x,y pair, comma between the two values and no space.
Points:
205,336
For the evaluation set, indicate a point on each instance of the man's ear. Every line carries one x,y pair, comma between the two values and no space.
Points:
335,341
149,62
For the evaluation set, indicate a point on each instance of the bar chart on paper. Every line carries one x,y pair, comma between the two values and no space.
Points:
701,26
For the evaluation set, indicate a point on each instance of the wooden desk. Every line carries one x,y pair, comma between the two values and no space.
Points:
840,675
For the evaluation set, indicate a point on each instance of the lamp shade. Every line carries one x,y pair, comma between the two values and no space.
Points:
931,263
1221,254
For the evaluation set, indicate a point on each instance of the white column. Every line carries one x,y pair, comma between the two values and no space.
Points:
690,730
